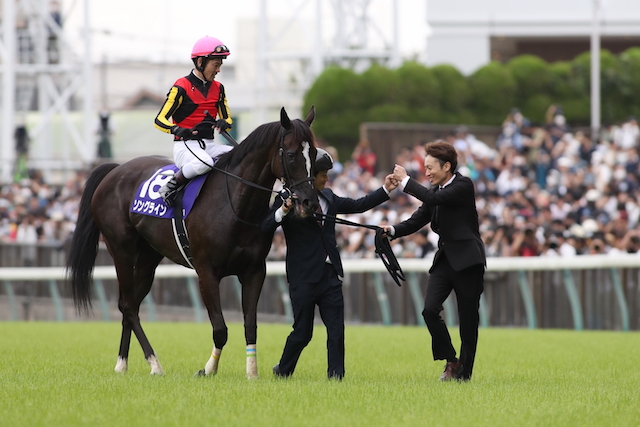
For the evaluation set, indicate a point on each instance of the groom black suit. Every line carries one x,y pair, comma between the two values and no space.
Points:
458,263
314,273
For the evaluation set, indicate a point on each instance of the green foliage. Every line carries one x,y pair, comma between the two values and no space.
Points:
453,94
336,89
630,79
533,79
563,84
570,89
441,94
577,111
611,82
613,107
389,113
493,91
418,86
380,85
535,107
338,97
61,374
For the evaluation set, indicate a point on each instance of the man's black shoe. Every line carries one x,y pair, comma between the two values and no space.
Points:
452,371
278,374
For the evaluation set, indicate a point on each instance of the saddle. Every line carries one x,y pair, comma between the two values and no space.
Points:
147,201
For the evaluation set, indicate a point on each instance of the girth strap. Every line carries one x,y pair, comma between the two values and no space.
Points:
180,230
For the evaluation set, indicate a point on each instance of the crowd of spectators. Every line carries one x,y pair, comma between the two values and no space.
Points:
541,191
35,212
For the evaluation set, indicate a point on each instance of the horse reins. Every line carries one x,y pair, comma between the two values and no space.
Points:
285,178
383,247
239,178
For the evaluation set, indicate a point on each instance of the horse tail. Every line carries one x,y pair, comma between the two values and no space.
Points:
84,242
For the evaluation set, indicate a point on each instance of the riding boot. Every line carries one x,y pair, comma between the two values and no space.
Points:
169,190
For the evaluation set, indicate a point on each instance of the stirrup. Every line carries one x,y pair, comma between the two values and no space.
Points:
169,197
169,190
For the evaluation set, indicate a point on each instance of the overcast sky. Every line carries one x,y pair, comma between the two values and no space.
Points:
160,30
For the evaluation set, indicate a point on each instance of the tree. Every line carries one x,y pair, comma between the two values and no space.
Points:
493,91
533,80
612,104
337,96
418,92
441,94
453,94
629,79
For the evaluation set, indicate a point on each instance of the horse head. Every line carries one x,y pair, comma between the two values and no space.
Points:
297,154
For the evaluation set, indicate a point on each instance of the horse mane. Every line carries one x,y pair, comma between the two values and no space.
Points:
263,135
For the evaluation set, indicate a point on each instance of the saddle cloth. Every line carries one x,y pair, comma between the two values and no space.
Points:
147,200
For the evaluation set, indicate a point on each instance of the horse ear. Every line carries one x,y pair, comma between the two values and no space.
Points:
284,119
311,115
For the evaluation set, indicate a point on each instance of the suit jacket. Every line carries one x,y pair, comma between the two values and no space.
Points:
456,222
309,243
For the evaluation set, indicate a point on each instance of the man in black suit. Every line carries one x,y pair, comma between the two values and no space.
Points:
458,265
314,268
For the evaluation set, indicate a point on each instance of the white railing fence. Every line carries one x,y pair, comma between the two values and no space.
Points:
583,292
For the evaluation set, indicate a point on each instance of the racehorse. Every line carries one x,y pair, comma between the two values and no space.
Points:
225,236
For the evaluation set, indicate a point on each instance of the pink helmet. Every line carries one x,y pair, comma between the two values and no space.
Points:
209,46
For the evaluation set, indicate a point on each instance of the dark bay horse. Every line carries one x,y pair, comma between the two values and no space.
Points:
223,229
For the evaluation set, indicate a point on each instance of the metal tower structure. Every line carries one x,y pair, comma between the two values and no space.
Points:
313,34
42,72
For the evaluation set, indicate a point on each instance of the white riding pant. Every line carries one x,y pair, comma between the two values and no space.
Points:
194,160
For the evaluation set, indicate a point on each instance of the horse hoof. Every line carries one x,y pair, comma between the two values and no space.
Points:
156,368
200,373
253,377
121,366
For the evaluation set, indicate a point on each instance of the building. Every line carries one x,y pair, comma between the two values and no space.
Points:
469,33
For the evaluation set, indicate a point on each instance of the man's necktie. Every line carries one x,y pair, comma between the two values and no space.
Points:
319,215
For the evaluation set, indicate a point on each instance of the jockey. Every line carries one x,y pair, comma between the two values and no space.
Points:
193,103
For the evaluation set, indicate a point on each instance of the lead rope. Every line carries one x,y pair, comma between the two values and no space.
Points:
383,247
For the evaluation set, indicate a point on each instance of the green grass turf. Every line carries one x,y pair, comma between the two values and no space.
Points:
61,374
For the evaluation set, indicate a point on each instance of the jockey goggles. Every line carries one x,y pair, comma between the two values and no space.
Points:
220,50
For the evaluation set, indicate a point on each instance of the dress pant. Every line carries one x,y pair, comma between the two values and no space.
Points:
327,295
468,285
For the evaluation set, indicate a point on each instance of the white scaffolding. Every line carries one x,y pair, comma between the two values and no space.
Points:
41,72
338,32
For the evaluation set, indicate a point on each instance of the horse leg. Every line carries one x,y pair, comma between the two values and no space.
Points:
135,283
210,291
251,288
123,352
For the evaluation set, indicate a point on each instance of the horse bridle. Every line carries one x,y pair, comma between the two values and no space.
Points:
282,178
286,192
383,248
286,174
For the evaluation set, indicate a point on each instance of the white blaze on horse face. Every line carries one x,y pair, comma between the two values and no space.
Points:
307,158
